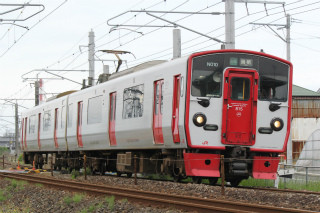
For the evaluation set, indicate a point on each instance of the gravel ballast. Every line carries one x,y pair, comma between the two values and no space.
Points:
37,198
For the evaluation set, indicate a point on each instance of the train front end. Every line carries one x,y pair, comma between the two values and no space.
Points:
238,106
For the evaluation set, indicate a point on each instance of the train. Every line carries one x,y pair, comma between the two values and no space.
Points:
177,117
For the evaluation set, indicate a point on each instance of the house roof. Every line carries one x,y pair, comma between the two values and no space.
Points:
300,91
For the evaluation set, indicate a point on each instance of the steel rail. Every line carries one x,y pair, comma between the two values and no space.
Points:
178,201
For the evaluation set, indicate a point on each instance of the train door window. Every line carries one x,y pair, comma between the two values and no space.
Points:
112,118
133,102
240,89
39,128
175,108
56,118
47,120
79,124
157,112
32,124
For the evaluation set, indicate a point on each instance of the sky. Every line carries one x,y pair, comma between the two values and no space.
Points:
57,39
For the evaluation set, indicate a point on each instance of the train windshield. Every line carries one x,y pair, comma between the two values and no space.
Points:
273,83
207,73
207,76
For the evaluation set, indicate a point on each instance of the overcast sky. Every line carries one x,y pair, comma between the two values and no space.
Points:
54,35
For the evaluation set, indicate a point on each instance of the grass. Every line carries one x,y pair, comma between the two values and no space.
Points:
110,201
67,200
16,185
77,198
39,185
2,196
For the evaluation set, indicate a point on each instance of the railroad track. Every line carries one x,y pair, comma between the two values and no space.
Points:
178,201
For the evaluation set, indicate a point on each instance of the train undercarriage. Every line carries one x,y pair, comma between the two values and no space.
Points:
238,163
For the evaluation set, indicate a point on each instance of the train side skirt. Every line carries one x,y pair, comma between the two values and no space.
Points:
202,165
265,167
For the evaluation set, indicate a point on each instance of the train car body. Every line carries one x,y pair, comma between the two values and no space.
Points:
177,117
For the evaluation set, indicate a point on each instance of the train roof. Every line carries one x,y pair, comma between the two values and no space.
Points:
136,68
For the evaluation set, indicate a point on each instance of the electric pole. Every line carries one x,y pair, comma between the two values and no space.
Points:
36,92
176,43
287,40
17,147
91,51
230,21
229,24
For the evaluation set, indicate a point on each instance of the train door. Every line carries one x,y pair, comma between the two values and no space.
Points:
39,128
175,109
79,124
112,119
157,112
56,116
239,107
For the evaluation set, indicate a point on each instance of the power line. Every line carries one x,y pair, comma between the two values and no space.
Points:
16,41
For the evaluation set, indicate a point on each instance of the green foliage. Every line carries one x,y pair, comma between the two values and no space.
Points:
125,200
88,171
39,185
67,200
77,198
2,196
75,174
251,182
3,150
16,185
20,158
110,201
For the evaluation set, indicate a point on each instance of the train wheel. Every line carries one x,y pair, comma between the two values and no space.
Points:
119,174
235,182
129,174
213,180
196,180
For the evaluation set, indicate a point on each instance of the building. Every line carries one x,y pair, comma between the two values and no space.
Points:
306,114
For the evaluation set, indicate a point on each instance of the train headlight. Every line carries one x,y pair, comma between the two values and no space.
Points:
199,119
276,124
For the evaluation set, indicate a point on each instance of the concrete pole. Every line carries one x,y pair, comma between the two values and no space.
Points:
229,24
17,147
176,43
288,39
91,58
36,92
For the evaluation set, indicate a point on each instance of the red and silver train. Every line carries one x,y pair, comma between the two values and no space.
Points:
177,117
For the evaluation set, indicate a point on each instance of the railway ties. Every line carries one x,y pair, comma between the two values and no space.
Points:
177,201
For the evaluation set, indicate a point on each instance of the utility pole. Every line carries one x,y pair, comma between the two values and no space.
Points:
91,51
287,40
229,24
230,21
36,92
17,147
176,43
